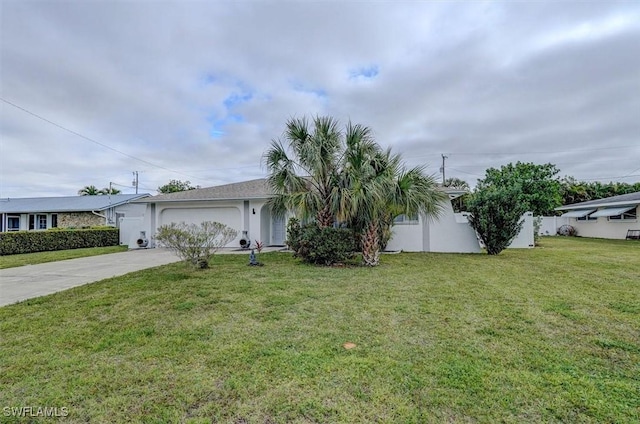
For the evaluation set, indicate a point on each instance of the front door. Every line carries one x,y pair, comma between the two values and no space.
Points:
278,234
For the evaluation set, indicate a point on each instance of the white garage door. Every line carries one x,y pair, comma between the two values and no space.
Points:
229,216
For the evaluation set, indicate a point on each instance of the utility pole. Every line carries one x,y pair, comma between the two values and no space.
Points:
442,168
135,180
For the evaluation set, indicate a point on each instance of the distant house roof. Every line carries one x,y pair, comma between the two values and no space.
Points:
66,204
253,189
621,200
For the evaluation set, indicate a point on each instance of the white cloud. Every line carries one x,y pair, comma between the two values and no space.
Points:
202,87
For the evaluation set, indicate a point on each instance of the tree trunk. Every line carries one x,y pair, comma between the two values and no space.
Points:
325,217
371,245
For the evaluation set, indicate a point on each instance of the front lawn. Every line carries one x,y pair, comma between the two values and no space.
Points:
10,261
544,335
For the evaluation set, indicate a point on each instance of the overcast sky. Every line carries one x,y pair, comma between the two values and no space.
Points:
196,90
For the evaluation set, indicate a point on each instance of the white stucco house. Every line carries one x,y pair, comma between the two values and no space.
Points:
242,206
43,213
610,218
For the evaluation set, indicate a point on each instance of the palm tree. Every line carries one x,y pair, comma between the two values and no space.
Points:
331,176
381,188
110,191
89,190
303,170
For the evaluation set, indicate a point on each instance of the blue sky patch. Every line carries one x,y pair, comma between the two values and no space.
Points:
366,72
319,92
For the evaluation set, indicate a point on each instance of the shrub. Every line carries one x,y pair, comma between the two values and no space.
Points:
195,243
496,216
325,246
294,232
42,241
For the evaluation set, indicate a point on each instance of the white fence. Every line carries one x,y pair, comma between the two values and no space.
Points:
550,225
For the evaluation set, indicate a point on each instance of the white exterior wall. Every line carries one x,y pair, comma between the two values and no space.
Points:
605,228
451,232
407,237
232,213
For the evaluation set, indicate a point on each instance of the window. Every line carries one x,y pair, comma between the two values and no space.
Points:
13,223
42,222
622,213
404,219
32,222
586,218
54,220
626,216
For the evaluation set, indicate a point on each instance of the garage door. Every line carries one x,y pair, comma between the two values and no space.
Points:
227,216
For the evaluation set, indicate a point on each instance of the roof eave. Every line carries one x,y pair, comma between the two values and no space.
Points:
210,199
579,206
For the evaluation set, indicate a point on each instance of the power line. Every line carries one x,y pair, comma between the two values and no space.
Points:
97,142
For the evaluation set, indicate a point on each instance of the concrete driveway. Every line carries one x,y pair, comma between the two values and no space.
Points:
26,282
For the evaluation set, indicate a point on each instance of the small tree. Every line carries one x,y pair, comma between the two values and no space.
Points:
107,191
175,186
195,243
496,216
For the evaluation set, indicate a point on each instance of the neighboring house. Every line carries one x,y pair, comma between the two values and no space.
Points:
604,218
242,206
42,213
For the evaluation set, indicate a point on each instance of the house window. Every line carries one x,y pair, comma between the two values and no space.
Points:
41,221
32,222
406,219
586,218
54,220
13,223
627,216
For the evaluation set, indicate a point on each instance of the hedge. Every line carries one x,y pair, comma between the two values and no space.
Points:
41,241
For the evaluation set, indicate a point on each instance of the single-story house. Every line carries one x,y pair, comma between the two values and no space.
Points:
242,206
42,213
610,218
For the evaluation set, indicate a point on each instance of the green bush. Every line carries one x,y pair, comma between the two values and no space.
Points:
294,232
193,243
496,216
325,246
41,241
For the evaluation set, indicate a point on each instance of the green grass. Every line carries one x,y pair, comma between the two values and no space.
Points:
544,335
10,261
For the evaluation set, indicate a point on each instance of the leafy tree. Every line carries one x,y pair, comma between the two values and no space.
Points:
495,215
539,186
175,186
193,243
574,191
89,190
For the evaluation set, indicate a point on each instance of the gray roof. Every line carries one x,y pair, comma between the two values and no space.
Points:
253,189
66,204
623,199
